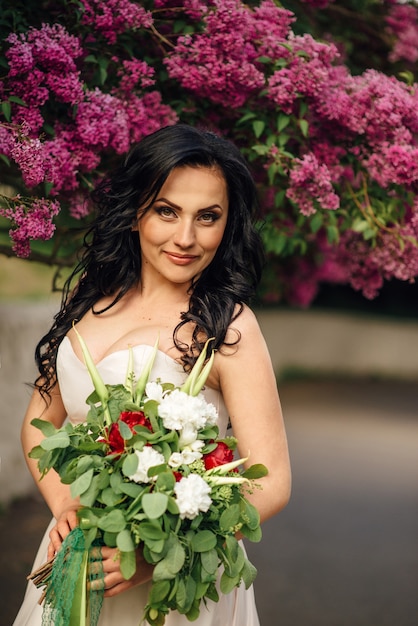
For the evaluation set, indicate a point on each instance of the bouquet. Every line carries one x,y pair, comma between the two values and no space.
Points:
149,470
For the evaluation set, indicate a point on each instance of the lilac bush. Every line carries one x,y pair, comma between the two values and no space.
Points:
333,147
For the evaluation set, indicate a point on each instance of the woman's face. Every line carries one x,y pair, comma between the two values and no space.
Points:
181,232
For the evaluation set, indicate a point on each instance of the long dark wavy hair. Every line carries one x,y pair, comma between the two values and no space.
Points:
110,264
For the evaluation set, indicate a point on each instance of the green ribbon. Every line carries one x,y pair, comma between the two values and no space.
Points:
69,598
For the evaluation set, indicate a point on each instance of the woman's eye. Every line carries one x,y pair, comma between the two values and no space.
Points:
165,211
209,217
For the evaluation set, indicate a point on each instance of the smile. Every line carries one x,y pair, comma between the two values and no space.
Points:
181,259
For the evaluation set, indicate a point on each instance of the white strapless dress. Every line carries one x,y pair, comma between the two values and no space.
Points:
234,609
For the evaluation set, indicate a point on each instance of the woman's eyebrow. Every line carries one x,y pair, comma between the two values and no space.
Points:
176,206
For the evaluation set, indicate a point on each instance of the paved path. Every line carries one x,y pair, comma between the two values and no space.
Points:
345,550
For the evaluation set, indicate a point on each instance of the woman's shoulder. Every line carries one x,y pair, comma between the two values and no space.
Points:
244,320
244,331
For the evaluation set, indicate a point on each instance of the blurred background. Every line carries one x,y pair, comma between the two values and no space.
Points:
345,550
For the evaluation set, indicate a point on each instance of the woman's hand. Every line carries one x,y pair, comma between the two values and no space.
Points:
66,522
114,582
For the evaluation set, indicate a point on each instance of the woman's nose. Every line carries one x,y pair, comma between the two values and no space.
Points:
184,237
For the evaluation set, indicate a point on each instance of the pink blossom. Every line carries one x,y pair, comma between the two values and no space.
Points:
67,87
310,182
148,114
393,163
218,64
34,222
31,116
394,256
67,157
135,73
304,74
372,104
101,121
43,61
31,88
402,21
50,47
6,140
79,206
113,17
31,158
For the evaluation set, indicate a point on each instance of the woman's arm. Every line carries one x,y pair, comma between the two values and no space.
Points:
63,506
56,495
248,385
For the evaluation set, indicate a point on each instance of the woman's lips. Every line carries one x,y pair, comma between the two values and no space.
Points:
181,259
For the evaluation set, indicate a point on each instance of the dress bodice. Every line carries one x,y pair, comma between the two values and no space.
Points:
76,385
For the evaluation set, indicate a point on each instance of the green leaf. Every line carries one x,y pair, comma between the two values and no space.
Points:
162,571
130,465
332,234
181,595
304,127
7,110
258,470
48,187
124,430
149,530
252,535
4,158
124,541
159,590
154,504
109,497
114,521
249,573
210,561
250,514
87,519
17,100
165,482
45,427
131,489
248,116
203,540
227,583
190,593
316,222
258,127
127,564
89,497
230,517
176,555
359,225
84,463
282,121
36,453
82,483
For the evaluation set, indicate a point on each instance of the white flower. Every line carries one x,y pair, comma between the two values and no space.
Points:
147,458
188,455
154,391
178,409
188,436
192,496
175,460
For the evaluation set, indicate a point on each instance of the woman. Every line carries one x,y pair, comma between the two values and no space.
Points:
173,252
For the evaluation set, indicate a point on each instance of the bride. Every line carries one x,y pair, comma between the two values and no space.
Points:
173,252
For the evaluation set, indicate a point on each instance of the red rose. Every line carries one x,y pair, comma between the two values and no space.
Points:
131,418
219,456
